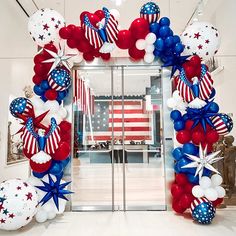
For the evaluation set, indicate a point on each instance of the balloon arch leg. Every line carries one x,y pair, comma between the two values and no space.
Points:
46,131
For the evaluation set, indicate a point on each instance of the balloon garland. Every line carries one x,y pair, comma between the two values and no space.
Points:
46,132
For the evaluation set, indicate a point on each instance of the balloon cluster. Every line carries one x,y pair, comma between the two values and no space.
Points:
44,87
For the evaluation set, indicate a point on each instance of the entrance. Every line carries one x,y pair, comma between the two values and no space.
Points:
118,161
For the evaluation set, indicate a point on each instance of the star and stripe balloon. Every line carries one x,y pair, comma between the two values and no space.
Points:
150,12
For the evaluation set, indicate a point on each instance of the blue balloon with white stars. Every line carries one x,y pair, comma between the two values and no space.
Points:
202,211
21,106
150,12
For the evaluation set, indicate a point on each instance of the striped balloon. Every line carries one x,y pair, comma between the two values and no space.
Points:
59,79
205,85
150,12
22,106
223,124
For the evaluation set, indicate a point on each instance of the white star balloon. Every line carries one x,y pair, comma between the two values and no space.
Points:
203,161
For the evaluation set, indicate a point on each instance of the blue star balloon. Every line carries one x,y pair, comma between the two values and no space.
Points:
59,79
54,190
150,12
202,210
22,106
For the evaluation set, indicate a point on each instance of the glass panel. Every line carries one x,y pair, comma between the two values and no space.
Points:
92,169
143,145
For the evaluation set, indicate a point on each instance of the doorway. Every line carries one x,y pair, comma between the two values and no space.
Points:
118,161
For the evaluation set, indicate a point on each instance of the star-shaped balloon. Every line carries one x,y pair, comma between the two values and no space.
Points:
54,190
203,161
176,63
202,116
59,58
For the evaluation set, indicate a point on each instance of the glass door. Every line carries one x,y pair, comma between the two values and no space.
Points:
118,159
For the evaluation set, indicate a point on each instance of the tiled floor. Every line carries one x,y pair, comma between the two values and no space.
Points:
130,224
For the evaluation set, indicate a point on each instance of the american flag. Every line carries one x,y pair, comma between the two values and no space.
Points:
93,34
137,123
83,95
223,124
150,12
205,85
22,106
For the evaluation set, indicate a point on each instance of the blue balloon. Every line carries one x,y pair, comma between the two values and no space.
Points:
168,52
164,21
56,168
177,153
154,28
185,117
39,175
159,44
175,115
213,93
190,148
44,85
43,98
193,179
183,162
176,39
179,125
38,90
61,95
176,168
164,31
157,53
65,162
171,32
206,172
214,108
179,47
169,41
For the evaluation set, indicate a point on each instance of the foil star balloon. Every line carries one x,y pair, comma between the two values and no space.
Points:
59,58
203,161
54,190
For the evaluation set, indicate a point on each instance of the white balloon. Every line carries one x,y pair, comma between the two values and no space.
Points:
20,200
171,103
220,191
51,215
37,103
115,13
216,180
58,118
149,48
211,194
201,38
149,58
140,44
48,206
205,182
44,26
176,96
41,216
150,38
53,106
197,191
63,112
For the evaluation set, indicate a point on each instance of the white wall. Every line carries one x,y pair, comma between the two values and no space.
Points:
221,13
16,66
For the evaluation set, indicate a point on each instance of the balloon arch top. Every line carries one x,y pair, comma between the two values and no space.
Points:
45,131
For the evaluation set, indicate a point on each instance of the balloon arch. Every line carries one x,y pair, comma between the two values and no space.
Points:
45,131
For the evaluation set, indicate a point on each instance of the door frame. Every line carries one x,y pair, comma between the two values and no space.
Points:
168,132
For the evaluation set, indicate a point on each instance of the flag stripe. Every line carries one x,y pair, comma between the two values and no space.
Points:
129,120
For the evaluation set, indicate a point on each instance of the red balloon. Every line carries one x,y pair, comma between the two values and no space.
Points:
85,46
51,94
66,137
78,33
208,145
139,28
72,43
185,200
88,56
183,136
198,137
135,53
93,19
27,154
190,72
62,152
50,47
37,79
71,27
181,179
65,32
82,16
40,70
195,61
39,58
212,136
217,202
125,39
40,167
100,14
188,188
96,53
176,191
106,56
65,126
177,207
188,124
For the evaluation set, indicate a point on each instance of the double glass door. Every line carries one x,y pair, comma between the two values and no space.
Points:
118,161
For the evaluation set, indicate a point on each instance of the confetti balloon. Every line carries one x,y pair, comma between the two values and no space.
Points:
201,38
44,26
59,79
150,12
202,210
223,124
18,204
22,106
